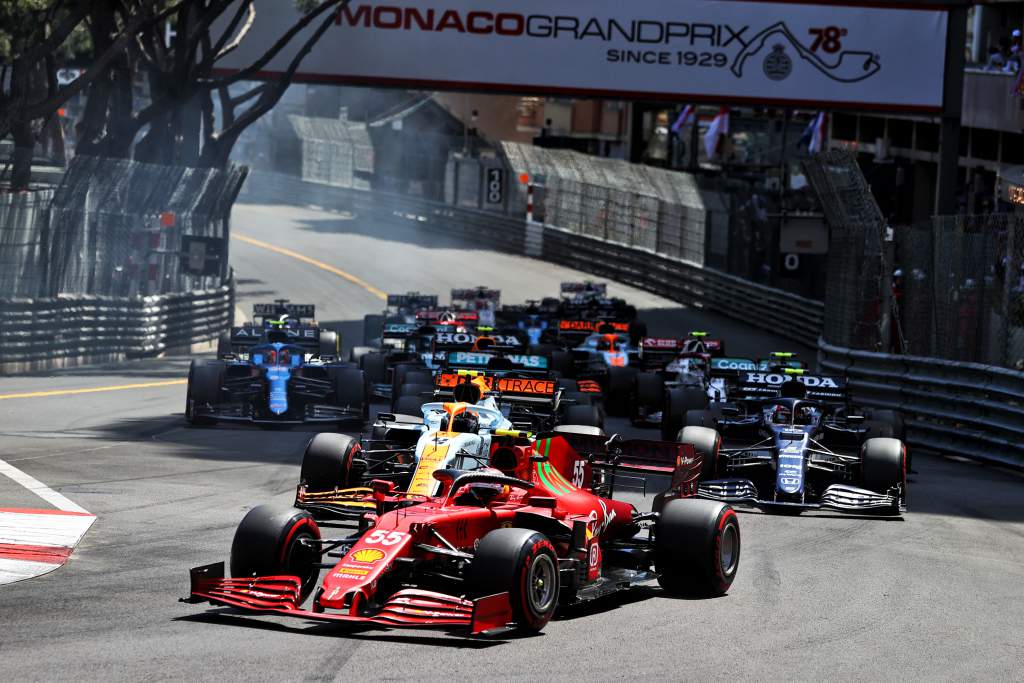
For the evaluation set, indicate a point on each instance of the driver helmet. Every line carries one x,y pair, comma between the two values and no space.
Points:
460,420
805,415
780,415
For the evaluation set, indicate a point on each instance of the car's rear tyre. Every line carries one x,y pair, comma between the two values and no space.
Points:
224,347
637,331
878,430
567,385
523,563
697,547
418,376
350,390
408,405
588,430
706,443
883,464
269,542
577,398
649,391
588,415
375,367
373,326
420,390
330,344
620,390
561,362
678,401
205,380
329,462
700,418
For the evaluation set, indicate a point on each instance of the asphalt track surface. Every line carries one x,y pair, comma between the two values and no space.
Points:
934,596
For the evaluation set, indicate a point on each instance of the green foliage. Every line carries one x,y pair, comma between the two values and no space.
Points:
22,23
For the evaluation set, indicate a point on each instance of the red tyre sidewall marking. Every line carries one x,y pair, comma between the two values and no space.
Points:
724,517
303,522
534,550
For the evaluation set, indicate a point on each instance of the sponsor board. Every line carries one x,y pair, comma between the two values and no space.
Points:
866,54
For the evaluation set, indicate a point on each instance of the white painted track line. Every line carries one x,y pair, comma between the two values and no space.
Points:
40,489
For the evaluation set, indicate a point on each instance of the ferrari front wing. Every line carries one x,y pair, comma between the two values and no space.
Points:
408,608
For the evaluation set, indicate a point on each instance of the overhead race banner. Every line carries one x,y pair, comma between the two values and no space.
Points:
714,50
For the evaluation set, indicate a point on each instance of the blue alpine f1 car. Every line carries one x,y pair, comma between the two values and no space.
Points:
276,383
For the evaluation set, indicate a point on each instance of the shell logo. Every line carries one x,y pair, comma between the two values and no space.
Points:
368,555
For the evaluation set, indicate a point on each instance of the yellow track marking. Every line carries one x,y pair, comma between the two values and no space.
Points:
380,294
94,390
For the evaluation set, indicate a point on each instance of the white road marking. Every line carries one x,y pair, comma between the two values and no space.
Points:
33,528
40,489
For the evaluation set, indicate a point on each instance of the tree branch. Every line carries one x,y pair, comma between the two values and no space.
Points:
254,68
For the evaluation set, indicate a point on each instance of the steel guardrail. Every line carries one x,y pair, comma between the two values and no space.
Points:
41,334
967,409
775,310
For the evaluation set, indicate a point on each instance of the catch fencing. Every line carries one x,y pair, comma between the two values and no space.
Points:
123,228
121,259
663,212
673,278
960,290
40,334
334,151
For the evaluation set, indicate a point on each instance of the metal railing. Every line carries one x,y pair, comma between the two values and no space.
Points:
780,312
967,409
41,334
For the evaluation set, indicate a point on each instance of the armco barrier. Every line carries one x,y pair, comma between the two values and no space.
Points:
771,309
966,409
42,334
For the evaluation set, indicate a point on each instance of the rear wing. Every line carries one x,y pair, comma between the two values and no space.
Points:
475,298
483,360
283,307
592,326
464,341
412,301
435,315
506,387
242,338
573,289
760,384
576,456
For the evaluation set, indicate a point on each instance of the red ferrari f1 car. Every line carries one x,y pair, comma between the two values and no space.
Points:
500,546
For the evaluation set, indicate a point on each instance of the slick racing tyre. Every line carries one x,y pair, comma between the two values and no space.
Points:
375,367
577,398
583,414
523,563
706,443
697,547
269,542
580,429
330,344
620,390
423,391
224,347
649,391
883,464
373,327
408,405
350,391
330,462
561,362
700,418
205,379
677,402
418,377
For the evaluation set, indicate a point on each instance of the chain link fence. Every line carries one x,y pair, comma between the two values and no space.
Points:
123,228
23,246
856,298
334,151
960,288
661,211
